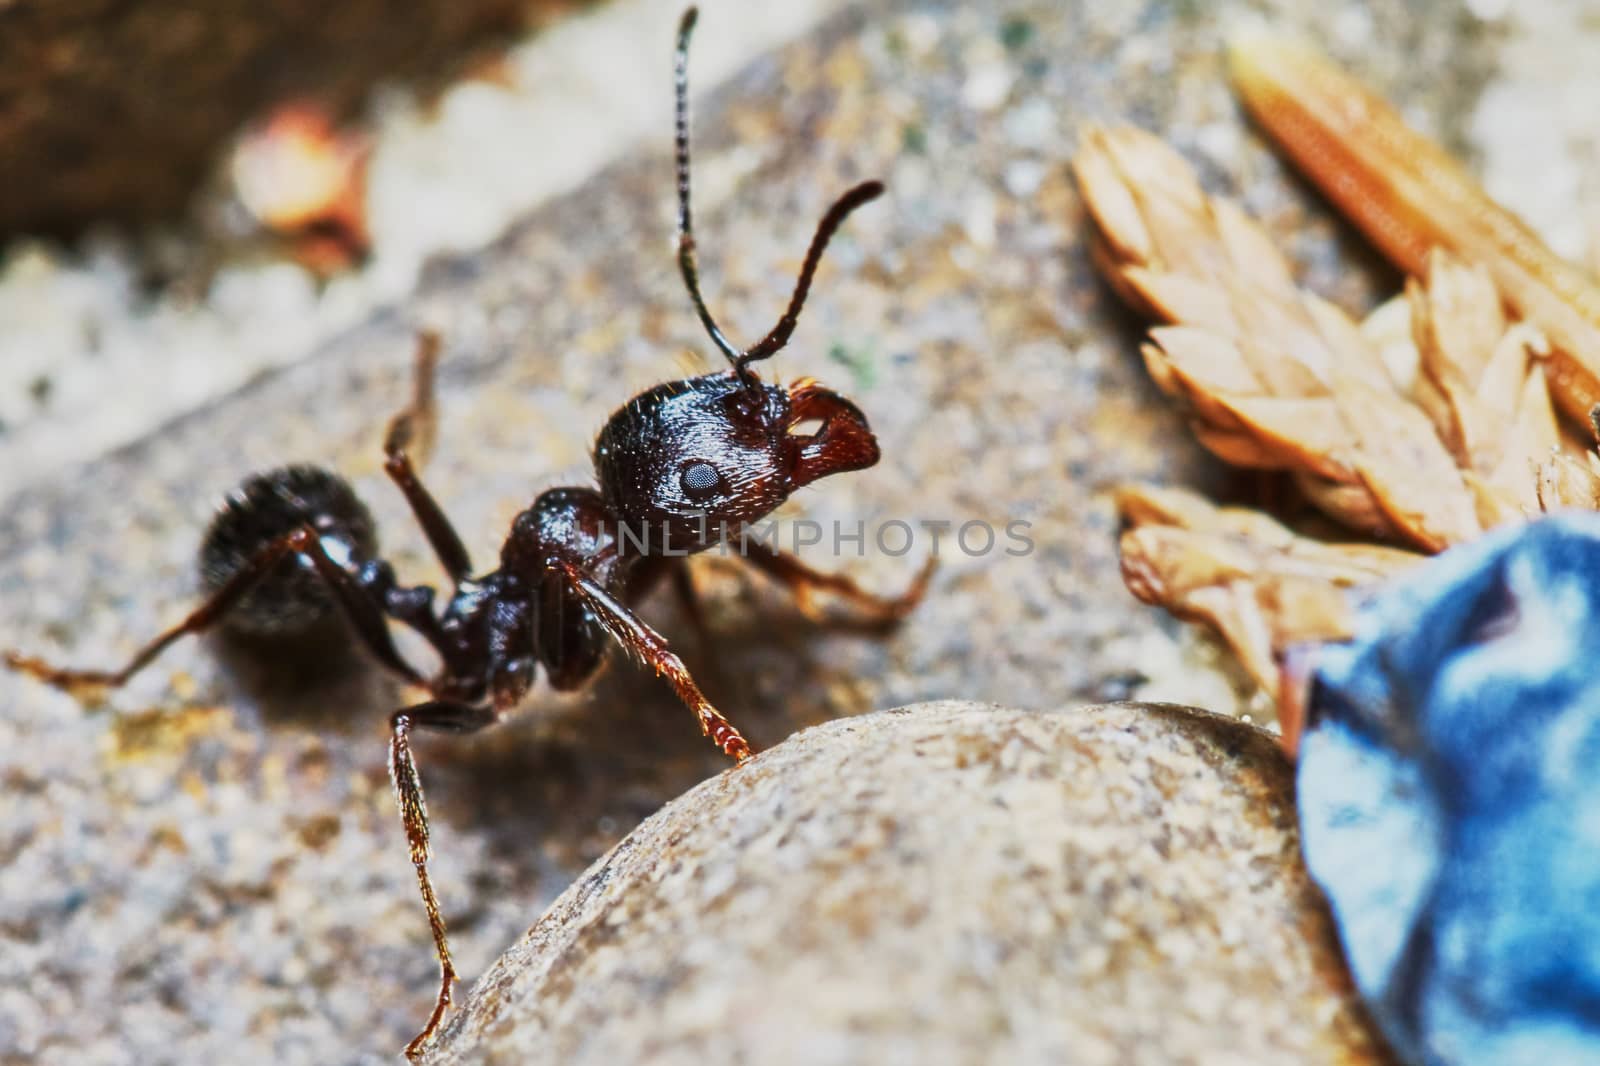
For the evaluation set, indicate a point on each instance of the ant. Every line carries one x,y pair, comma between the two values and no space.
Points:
681,467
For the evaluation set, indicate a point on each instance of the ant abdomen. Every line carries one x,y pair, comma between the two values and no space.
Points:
291,600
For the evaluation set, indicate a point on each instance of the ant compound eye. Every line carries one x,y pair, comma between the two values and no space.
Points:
699,479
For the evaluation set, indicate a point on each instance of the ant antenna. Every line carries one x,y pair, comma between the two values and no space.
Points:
779,336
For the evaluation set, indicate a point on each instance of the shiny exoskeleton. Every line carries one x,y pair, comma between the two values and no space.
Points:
292,600
680,467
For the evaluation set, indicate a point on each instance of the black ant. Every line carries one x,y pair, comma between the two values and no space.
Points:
680,467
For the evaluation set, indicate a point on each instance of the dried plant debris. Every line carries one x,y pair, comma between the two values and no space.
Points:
1449,801
1423,426
1259,584
1410,197
1276,378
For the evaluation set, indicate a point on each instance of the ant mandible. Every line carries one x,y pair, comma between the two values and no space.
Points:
680,467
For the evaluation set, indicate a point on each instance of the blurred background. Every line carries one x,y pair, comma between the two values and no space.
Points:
196,193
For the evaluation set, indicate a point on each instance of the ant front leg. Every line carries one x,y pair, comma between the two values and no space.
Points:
413,429
439,717
801,581
639,639
364,614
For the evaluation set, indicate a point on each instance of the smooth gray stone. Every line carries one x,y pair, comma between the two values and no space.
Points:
947,883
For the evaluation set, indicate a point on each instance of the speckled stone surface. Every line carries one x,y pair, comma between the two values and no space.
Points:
949,883
213,861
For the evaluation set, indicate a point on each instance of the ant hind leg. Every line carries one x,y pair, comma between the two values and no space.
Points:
358,607
439,717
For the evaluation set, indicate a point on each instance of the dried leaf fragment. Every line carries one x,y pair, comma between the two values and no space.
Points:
1410,197
1273,376
1429,423
1259,584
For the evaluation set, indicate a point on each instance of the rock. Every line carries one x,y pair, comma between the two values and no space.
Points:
944,883
215,860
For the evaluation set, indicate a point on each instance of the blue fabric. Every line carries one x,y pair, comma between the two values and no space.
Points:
1449,796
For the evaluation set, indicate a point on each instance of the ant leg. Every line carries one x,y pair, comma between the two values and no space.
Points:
358,607
801,580
639,639
413,429
683,590
439,717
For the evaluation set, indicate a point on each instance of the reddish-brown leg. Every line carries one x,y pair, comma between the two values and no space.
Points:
359,608
413,430
415,427
440,717
640,640
683,591
801,581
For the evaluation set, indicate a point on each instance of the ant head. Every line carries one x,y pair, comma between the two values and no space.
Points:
686,460
689,458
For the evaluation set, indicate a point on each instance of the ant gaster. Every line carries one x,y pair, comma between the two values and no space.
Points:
679,467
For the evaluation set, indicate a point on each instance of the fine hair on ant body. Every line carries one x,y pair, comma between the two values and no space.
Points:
695,460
